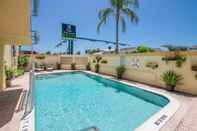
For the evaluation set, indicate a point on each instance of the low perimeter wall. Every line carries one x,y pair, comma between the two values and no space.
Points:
64,61
136,69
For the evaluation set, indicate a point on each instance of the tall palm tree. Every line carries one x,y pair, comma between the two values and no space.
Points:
119,9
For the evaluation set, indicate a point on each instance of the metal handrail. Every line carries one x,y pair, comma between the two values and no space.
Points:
29,105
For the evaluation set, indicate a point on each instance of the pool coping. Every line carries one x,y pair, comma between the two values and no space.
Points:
154,123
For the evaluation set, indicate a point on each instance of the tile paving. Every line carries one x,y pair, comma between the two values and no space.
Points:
12,99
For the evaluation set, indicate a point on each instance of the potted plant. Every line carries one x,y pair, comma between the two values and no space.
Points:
22,61
88,67
40,57
152,65
18,72
44,67
194,67
180,60
104,61
171,79
73,66
58,66
120,70
9,72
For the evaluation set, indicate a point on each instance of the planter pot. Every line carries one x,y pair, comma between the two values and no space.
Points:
8,83
194,68
170,88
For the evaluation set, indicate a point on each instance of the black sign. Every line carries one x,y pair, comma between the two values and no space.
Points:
68,31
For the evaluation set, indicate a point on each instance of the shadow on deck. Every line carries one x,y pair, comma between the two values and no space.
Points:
8,103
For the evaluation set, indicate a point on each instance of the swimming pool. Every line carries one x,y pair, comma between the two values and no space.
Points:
77,100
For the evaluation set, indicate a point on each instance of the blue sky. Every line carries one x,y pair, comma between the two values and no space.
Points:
161,22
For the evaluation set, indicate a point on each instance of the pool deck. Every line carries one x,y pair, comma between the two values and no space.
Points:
12,107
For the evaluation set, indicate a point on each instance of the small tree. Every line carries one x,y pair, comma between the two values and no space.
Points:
48,53
97,66
78,53
119,9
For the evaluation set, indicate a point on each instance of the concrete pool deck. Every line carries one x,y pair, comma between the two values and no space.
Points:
12,107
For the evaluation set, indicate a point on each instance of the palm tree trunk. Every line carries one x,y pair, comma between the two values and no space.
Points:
117,30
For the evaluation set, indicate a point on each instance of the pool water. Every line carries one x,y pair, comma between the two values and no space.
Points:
75,101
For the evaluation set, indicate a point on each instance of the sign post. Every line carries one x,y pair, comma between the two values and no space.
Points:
69,33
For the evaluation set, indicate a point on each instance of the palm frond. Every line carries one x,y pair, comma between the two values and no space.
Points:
122,20
103,15
105,12
131,14
132,3
114,3
103,21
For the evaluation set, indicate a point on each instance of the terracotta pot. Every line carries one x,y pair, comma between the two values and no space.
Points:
194,68
8,83
170,88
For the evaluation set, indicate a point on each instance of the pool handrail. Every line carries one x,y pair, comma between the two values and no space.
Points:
29,105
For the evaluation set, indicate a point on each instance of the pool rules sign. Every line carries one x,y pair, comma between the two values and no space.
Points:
68,31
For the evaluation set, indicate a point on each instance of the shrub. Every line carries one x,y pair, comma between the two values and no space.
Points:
143,49
88,67
22,61
40,57
104,61
19,72
73,66
152,65
175,48
9,72
171,79
120,70
180,60
97,68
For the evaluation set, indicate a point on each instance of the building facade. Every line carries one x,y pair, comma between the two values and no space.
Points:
15,29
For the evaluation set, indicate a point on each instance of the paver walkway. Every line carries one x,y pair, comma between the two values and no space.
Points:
189,122
12,99
12,104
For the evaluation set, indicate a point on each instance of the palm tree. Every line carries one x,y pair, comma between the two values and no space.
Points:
119,9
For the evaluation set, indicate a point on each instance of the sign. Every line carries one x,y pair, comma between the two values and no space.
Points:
68,31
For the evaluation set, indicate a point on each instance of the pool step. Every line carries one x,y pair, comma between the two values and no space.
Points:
93,128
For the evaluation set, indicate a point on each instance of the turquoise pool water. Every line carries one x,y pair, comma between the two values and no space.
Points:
74,101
